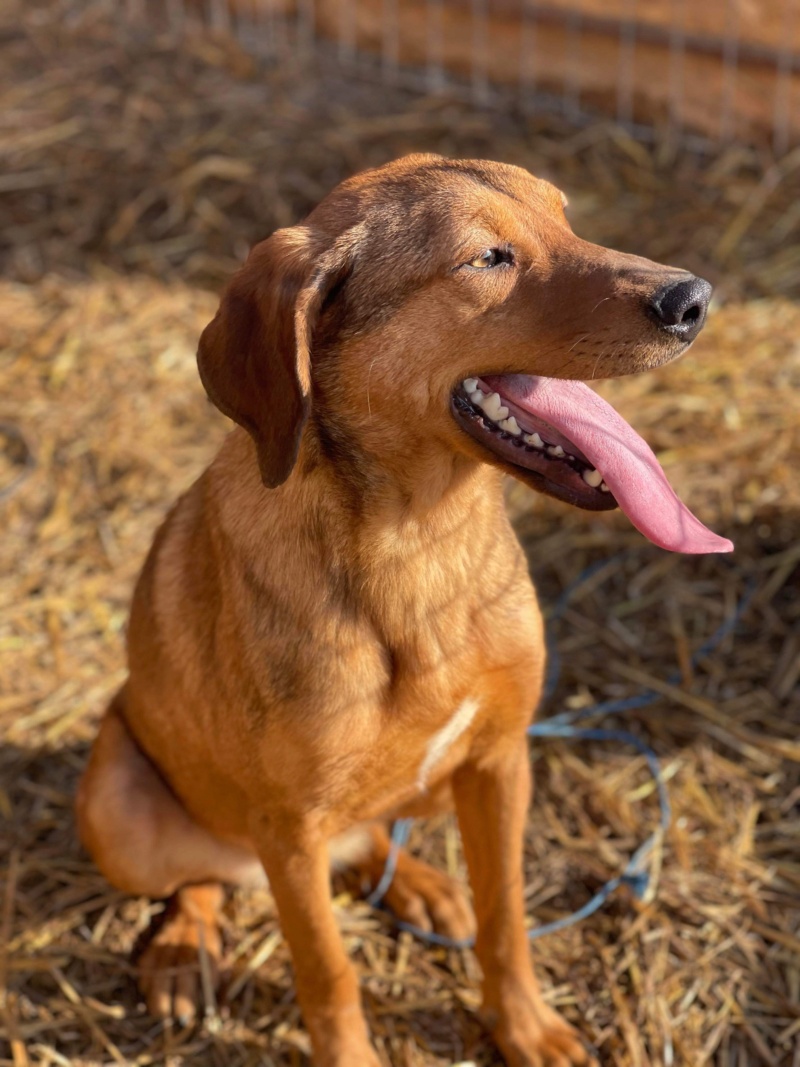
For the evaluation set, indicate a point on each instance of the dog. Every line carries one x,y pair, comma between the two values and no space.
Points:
335,626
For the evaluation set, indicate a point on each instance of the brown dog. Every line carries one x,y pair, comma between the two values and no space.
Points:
335,625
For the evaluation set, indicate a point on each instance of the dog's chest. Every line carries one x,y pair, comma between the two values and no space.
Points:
436,721
443,740
464,680
410,757
403,693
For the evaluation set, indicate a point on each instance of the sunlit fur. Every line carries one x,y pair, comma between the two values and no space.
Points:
295,650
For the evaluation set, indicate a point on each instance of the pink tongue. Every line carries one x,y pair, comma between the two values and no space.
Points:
629,468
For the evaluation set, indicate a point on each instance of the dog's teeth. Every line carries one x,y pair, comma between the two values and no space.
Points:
556,450
593,478
511,426
604,487
535,440
493,407
470,385
476,397
491,402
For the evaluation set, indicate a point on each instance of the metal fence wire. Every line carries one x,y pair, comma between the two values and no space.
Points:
698,72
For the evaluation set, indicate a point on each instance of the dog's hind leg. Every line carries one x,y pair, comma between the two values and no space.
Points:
145,842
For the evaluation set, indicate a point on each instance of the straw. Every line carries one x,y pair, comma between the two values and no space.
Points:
136,172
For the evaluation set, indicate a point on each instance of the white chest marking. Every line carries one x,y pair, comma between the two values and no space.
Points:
444,738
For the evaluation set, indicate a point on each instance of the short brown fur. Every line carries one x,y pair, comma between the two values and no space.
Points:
294,650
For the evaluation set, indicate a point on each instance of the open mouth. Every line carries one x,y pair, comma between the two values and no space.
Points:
560,437
523,440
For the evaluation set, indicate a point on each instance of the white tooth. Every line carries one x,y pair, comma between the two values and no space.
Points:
494,408
511,426
491,404
477,397
593,478
556,450
604,487
535,440
470,384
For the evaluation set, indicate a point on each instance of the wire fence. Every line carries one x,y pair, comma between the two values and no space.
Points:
716,71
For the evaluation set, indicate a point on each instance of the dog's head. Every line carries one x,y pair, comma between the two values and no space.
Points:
444,304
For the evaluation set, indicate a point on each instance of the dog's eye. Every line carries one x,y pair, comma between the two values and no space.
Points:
485,259
490,258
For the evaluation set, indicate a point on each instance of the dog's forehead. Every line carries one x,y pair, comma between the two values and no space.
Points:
471,184
427,188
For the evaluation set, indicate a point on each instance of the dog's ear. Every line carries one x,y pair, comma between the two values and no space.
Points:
255,356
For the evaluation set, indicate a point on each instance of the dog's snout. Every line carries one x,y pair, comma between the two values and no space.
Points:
680,307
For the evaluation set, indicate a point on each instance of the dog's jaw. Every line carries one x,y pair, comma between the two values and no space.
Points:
536,454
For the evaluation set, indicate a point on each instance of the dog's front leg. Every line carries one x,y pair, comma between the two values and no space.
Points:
294,852
492,801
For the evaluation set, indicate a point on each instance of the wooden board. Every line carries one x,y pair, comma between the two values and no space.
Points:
659,68
758,24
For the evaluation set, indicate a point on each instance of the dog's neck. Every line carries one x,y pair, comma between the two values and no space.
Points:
358,535
416,573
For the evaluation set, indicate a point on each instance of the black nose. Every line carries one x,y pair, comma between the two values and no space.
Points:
680,307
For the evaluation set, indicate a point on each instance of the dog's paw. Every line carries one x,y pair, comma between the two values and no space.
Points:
427,898
533,1035
181,963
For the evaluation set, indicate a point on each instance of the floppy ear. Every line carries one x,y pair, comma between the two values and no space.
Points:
254,357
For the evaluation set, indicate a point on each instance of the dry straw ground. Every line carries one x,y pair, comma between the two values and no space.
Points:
134,174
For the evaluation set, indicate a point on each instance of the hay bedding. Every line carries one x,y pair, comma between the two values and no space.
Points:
121,150
99,382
